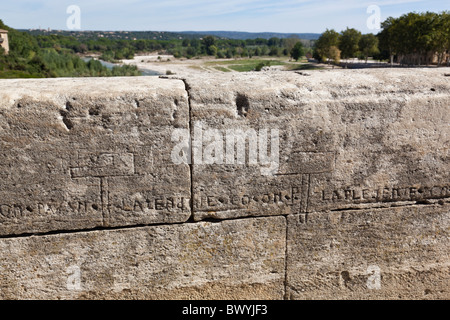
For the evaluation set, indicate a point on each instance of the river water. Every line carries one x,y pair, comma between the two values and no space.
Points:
110,65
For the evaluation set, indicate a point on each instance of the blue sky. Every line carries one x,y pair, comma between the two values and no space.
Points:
201,15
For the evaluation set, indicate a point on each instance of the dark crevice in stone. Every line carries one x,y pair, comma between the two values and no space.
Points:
67,122
242,105
285,283
190,221
187,87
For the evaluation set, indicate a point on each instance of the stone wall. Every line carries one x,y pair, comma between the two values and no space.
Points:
327,185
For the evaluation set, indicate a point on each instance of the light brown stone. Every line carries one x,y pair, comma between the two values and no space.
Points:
83,153
239,259
347,139
363,179
336,255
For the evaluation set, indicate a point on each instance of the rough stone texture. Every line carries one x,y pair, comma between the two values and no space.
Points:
333,255
347,139
232,259
77,154
86,169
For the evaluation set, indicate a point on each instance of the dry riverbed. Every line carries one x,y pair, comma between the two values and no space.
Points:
167,64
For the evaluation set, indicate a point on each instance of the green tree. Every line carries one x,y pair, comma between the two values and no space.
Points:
191,52
349,43
368,44
335,54
274,42
328,39
274,51
440,37
416,38
388,38
290,42
185,43
208,42
264,50
212,50
195,43
297,51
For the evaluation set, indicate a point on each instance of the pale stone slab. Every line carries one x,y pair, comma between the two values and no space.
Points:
347,139
83,153
242,259
394,253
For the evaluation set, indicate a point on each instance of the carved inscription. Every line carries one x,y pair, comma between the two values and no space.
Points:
287,197
383,194
82,208
282,196
93,173
23,210
304,198
109,165
143,204
91,159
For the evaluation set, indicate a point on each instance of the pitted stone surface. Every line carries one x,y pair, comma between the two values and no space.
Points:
78,154
347,139
361,186
395,253
228,260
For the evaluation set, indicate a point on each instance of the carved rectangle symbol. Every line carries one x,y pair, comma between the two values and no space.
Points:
103,165
309,162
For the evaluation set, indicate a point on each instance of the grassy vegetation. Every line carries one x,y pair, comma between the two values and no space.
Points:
246,65
245,62
223,69
243,65
195,67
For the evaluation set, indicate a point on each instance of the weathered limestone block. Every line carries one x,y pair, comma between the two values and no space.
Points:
346,139
241,259
394,253
358,161
82,153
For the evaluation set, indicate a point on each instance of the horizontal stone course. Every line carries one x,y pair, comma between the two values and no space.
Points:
204,260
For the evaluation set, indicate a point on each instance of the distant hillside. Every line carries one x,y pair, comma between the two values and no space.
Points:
253,35
162,35
117,35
